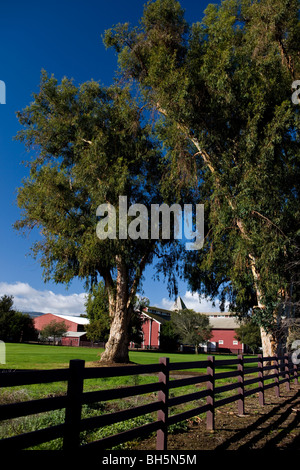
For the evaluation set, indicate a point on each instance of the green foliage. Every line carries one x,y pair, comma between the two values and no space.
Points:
14,326
249,334
97,310
192,327
98,330
91,145
97,304
222,87
135,327
90,148
169,337
54,329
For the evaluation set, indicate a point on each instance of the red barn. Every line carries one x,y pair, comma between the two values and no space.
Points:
75,325
223,333
223,329
153,318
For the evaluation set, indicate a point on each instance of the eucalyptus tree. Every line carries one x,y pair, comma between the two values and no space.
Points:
222,90
88,147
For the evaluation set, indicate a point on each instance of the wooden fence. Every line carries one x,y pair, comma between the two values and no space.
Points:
280,370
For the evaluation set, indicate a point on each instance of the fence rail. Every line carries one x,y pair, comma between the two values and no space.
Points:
283,371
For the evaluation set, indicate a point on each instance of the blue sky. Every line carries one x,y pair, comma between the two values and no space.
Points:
64,38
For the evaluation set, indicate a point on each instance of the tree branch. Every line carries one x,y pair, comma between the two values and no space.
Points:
269,221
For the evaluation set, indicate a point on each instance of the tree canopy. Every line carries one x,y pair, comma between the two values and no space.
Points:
222,89
90,146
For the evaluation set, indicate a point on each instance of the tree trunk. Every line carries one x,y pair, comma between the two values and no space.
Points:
269,345
268,342
116,349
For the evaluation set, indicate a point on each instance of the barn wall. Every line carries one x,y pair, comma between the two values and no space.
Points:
155,327
43,320
228,338
225,335
70,341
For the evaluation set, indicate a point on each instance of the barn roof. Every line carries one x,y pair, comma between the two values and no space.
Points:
217,320
74,334
73,318
228,323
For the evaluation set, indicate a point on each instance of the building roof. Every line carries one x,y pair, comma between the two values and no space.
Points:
74,334
158,311
227,323
217,320
157,317
73,318
218,314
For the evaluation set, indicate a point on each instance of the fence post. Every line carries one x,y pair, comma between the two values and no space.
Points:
241,400
276,368
163,396
71,441
287,372
295,367
210,399
261,397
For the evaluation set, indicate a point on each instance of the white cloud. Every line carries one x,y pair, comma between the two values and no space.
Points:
194,302
28,299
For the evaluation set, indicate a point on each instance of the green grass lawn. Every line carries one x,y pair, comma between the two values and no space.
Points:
37,356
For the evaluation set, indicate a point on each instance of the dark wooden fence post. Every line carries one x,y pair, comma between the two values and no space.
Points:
295,367
71,441
241,400
287,372
261,397
163,396
210,399
276,368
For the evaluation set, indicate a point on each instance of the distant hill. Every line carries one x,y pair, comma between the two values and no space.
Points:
34,314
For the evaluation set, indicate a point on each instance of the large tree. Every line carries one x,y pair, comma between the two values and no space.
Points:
222,89
89,147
